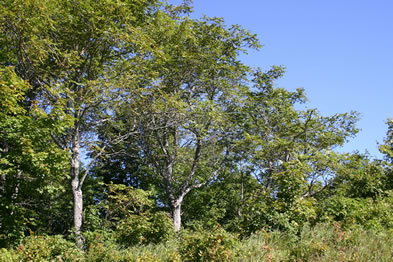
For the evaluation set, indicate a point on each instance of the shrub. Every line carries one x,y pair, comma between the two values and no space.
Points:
47,248
8,255
373,214
165,252
144,229
132,218
201,245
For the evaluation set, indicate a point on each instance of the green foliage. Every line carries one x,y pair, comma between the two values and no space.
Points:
131,216
144,228
175,120
166,252
67,51
182,117
221,201
201,245
31,165
8,255
358,195
261,212
367,213
359,177
387,147
46,248
387,150
323,242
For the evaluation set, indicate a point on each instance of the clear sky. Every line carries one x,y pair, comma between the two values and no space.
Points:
339,51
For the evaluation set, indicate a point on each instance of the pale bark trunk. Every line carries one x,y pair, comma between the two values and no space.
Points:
78,209
3,178
176,212
76,187
239,211
14,196
176,216
2,184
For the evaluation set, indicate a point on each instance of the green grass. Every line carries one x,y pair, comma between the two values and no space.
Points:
320,243
324,242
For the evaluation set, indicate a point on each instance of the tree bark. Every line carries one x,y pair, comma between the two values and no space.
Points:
78,209
176,214
14,196
76,187
239,211
3,178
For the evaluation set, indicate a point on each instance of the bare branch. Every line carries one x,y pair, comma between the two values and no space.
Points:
199,185
195,163
90,166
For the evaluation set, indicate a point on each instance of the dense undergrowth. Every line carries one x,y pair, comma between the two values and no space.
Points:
322,242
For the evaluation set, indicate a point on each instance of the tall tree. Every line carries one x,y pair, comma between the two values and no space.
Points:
31,165
72,51
285,139
288,149
183,113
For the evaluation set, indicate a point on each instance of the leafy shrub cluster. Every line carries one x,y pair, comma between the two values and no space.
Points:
369,213
42,248
132,218
323,242
202,245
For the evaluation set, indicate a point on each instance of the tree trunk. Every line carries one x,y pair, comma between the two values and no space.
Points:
3,178
14,196
76,187
239,211
176,215
78,210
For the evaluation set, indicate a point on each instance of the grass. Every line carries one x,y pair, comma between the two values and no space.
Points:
323,242
320,243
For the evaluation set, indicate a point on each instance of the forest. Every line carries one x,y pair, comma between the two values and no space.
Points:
131,131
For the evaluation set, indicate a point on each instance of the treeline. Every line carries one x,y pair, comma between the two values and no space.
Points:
126,121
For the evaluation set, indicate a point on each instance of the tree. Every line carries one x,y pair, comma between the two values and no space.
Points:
31,165
285,139
71,51
182,115
289,151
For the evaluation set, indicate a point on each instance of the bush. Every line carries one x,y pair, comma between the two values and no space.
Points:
144,229
8,255
133,219
45,248
261,211
372,214
99,239
201,245
103,251
323,242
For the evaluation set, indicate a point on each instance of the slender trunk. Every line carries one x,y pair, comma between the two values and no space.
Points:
176,214
16,192
239,211
3,178
76,188
2,183
78,209
14,196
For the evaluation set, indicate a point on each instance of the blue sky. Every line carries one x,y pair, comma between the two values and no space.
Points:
340,52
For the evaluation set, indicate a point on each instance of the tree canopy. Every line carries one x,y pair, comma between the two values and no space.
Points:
132,121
